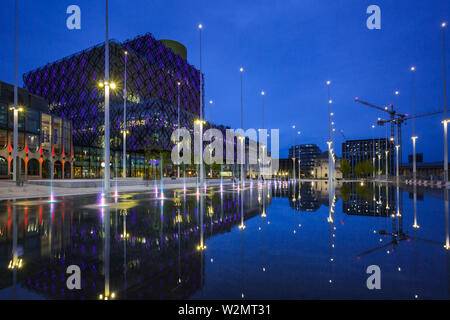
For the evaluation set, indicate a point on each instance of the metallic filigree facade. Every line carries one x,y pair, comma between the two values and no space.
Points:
71,87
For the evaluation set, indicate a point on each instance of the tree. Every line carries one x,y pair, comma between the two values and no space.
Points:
363,169
345,167
346,191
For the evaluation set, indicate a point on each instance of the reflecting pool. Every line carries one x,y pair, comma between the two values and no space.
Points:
276,240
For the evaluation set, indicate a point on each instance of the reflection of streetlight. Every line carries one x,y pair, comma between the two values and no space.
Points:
105,297
15,264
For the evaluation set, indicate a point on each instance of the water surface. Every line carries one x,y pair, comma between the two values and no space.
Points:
271,241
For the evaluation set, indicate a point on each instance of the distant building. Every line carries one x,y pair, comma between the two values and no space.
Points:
419,158
357,151
424,170
307,154
320,170
284,168
44,140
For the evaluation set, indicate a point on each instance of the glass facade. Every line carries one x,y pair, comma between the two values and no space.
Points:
46,129
357,151
57,136
33,142
36,129
307,153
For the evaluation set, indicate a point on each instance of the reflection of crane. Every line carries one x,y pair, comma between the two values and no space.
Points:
397,237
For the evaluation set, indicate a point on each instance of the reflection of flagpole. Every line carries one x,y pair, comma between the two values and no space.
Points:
415,264
106,252
447,240
331,203
15,255
242,264
179,244
202,245
415,225
448,274
264,227
124,217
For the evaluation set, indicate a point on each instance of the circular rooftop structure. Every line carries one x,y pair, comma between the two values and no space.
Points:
176,47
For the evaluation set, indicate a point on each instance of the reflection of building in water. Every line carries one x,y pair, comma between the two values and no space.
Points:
306,196
368,200
161,260
365,200
307,200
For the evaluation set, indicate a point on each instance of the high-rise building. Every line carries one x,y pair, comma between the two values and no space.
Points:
307,154
357,151
158,80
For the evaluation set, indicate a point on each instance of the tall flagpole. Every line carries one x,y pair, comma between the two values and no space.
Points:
16,102
445,107
107,157
242,127
200,27
124,174
414,137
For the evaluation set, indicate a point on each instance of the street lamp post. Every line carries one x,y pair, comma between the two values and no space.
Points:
398,144
386,153
200,27
373,151
414,137
241,70
178,126
330,143
107,158
261,161
293,155
16,102
445,107
397,147
124,174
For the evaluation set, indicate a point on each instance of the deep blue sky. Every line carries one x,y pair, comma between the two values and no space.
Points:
288,48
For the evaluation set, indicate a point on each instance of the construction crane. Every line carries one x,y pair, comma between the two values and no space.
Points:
396,119
388,109
402,120
342,133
